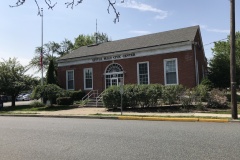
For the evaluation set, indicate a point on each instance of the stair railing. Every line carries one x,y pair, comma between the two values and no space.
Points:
99,98
92,93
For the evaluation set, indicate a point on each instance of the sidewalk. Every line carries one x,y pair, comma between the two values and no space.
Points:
101,113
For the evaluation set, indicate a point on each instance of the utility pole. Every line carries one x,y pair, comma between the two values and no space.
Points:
233,61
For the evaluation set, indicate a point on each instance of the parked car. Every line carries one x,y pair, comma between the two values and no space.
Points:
4,98
25,97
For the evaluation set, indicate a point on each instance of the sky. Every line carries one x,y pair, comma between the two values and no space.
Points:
20,29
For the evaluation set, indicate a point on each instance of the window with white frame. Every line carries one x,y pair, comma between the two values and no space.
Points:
70,80
143,72
171,71
88,78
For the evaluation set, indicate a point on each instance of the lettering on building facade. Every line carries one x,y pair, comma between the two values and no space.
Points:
99,59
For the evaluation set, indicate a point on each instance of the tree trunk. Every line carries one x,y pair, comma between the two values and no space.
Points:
13,101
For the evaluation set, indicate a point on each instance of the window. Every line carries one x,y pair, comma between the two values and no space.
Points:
114,75
171,71
88,78
143,73
70,80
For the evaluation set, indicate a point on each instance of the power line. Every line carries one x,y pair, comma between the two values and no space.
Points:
215,41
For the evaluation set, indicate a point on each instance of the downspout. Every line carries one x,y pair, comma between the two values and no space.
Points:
195,59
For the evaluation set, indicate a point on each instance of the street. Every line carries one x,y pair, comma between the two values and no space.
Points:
32,138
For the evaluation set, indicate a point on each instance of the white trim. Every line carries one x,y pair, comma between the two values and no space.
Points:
197,70
138,80
105,74
171,48
165,77
112,80
113,73
67,71
84,75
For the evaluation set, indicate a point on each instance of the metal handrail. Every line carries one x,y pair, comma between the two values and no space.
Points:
98,98
90,94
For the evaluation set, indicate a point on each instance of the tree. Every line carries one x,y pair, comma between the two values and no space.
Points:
51,73
51,51
71,4
84,40
13,79
102,37
219,65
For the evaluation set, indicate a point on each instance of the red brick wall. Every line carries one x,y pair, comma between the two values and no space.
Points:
186,70
202,64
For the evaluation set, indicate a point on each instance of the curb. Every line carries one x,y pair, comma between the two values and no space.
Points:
58,116
173,119
223,120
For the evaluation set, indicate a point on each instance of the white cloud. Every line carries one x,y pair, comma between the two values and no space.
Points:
145,7
214,29
138,32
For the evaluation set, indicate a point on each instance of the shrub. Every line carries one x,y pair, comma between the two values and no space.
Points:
75,95
48,92
206,82
142,95
129,96
64,101
200,93
217,99
37,104
171,93
155,93
186,98
112,97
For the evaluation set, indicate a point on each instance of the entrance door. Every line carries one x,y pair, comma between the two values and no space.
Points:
114,82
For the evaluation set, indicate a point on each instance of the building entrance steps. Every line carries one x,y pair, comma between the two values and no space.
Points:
93,99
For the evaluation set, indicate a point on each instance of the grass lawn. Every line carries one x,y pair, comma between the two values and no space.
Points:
224,112
32,109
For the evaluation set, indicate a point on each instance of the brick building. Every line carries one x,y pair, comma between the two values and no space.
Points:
171,57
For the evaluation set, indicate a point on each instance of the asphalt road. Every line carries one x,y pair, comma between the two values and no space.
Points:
33,138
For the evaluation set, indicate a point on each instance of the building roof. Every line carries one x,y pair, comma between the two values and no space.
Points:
150,40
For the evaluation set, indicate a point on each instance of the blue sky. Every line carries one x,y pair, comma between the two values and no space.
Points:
20,29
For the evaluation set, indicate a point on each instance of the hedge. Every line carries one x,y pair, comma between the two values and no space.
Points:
64,101
156,94
133,96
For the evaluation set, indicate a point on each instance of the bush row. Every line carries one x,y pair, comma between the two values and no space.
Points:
157,94
140,95
51,92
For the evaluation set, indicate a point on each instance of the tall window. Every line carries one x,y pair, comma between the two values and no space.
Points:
143,73
70,79
114,75
88,78
171,71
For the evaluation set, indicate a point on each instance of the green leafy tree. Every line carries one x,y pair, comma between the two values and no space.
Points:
51,73
84,40
51,51
13,79
219,65
102,37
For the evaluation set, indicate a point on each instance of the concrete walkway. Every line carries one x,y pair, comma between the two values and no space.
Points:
102,112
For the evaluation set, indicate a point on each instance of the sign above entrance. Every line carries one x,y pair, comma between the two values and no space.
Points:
98,59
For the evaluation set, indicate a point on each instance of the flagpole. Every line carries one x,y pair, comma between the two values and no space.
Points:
42,49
